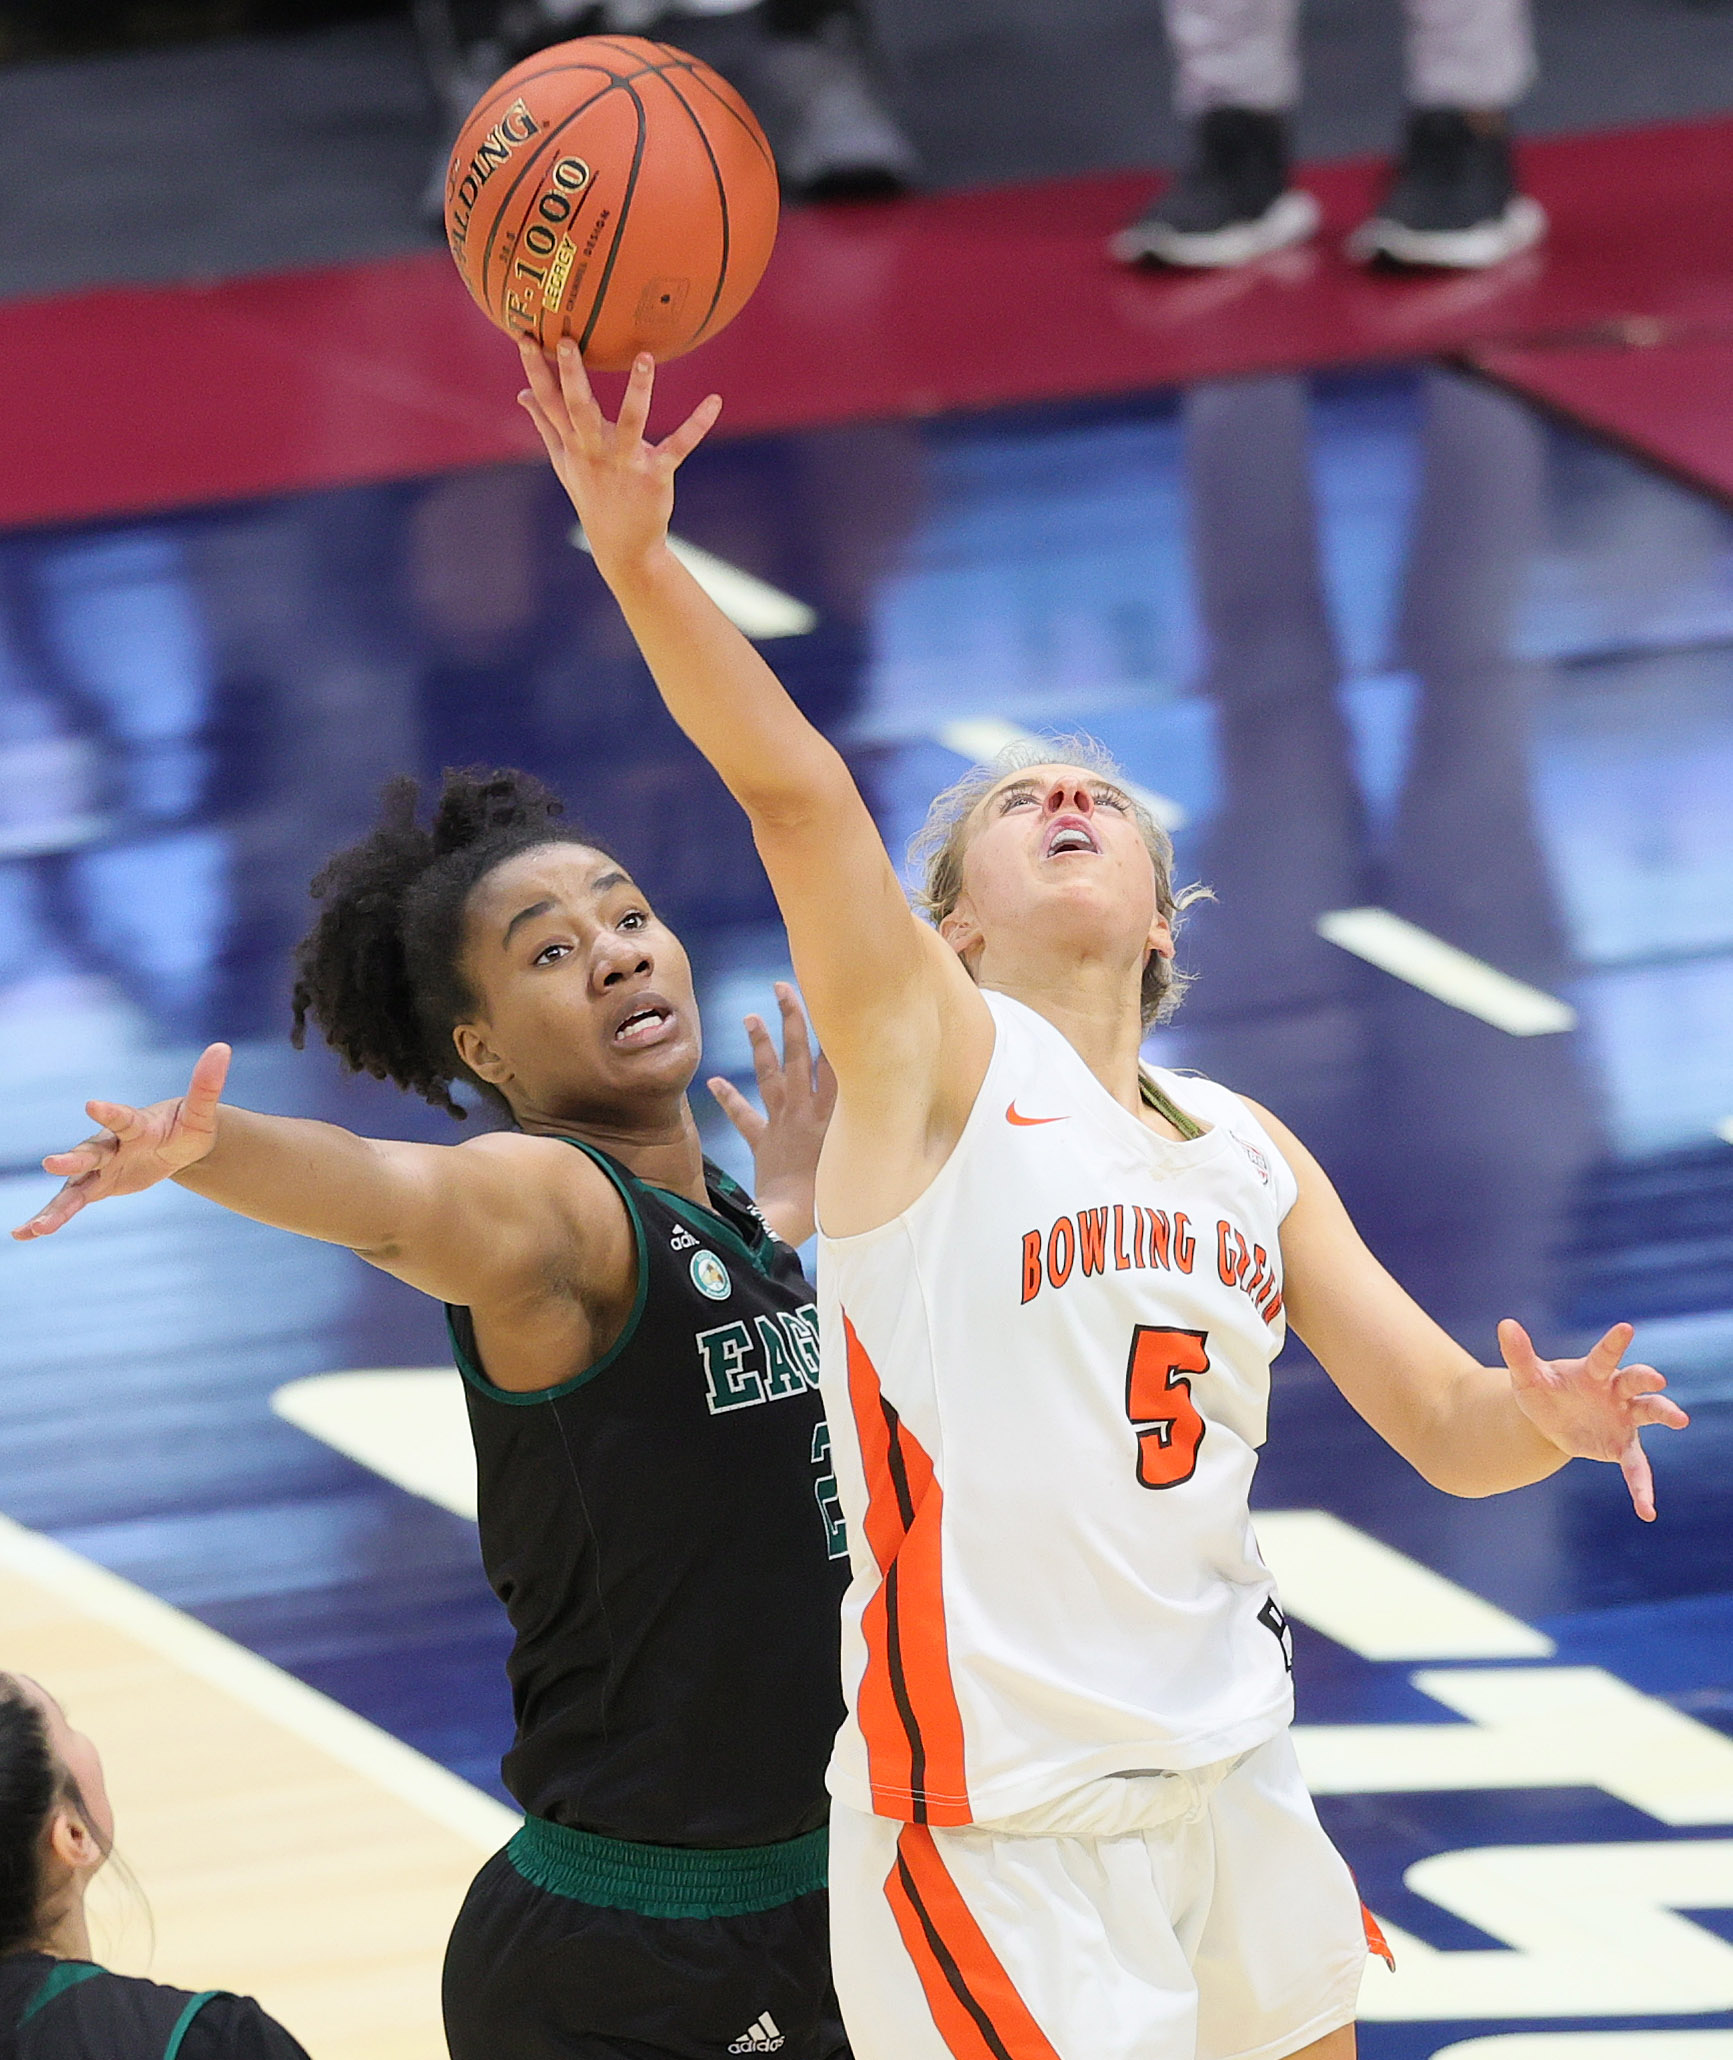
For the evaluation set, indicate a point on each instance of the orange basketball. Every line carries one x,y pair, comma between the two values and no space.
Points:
614,190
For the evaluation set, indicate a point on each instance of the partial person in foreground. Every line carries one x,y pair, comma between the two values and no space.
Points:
639,1352
1068,1821
1453,200
56,1834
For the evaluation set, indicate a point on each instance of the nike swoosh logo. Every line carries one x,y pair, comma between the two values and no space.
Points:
1011,1116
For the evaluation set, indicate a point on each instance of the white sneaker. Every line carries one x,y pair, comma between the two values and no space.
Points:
1522,225
1290,218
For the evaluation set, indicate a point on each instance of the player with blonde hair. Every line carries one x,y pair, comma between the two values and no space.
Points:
1067,1816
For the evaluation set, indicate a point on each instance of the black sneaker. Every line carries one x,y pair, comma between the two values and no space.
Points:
1230,204
1453,201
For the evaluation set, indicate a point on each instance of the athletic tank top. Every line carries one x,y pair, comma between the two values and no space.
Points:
75,2010
1047,1381
664,1533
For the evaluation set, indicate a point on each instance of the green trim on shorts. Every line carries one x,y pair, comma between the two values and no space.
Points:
668,1880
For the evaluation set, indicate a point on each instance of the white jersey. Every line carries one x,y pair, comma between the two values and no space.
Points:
1046,1383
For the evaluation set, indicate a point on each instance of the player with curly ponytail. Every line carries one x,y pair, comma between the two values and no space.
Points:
56,1831
639,1352
381,969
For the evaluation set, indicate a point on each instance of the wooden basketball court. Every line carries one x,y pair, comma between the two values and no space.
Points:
286,1848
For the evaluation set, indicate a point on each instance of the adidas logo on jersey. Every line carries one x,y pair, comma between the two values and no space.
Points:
762,2037
682,1239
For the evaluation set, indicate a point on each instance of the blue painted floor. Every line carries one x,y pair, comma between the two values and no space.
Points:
1383,639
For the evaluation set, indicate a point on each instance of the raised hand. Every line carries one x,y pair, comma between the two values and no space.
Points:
621,486
135,1148
1593,1408
798,1099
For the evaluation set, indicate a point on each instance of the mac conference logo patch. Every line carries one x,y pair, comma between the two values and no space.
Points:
710,1276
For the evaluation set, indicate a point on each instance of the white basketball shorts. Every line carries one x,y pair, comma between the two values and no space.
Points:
1198,1916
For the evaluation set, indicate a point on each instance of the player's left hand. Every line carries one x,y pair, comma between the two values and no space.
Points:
1593,1408
798,1096
621,485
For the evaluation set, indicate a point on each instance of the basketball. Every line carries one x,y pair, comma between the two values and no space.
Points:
613,190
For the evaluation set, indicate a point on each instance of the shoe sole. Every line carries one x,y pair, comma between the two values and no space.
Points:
1291,218
1519,228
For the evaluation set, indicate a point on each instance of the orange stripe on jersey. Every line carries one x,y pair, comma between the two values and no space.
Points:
979,2014
907,1708
1375,1939
888,1514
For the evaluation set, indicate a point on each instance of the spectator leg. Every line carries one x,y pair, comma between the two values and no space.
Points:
1234,53
1464,53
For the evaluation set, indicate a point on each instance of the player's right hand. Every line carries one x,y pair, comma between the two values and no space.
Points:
621,485
135,1148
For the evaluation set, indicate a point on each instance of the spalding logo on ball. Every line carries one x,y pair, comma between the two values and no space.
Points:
613,190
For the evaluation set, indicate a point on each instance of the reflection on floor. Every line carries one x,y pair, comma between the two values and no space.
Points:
1384,642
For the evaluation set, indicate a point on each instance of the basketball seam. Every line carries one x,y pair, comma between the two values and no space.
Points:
620,225
644,64
500,94
532,164
751,128
721,201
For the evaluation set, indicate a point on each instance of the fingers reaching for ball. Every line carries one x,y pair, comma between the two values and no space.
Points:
620,483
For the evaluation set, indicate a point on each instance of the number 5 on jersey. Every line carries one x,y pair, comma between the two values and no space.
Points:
1158,1402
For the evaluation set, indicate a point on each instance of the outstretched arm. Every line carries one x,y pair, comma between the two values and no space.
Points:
900,1019
468,1223
1469,1429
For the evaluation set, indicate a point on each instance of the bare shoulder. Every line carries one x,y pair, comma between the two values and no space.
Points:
551,1215
931,1057
899,1121
1320,1245
516,1155
1305,1167
558,1288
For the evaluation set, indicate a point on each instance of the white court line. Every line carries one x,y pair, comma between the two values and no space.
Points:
407,1423
1581,1930
1409,953
363,1747
1533,1727
1378,1602
756,608
981,738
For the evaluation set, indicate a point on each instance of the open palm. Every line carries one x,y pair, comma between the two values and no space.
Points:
135,1148
621,485
1593,1408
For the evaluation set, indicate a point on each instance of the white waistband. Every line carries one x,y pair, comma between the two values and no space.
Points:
1140,1799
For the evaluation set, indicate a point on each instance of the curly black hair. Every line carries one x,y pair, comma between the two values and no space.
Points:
381,970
